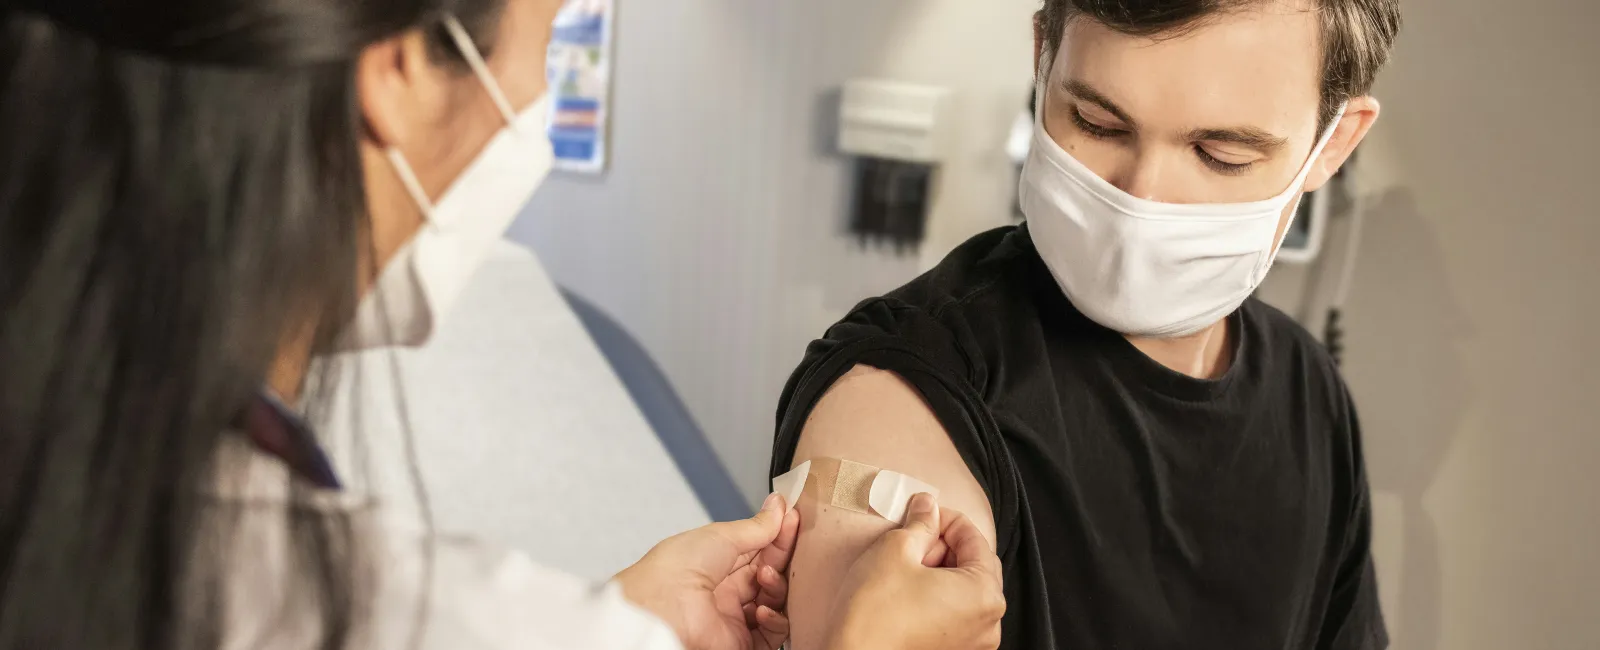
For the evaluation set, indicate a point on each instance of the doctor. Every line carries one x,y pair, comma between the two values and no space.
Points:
194,199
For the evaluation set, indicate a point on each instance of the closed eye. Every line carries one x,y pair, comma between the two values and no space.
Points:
1219,166
1094,130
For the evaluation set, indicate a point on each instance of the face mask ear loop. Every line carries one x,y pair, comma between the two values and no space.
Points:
480,68
1300,181
408,178
463,41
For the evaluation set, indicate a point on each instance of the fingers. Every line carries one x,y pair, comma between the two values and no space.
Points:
742,584
922,515
747,536
947,518
774,588
771,564
918,539
771,629
970,553
778,554
969,549
768,628
743,560
937,555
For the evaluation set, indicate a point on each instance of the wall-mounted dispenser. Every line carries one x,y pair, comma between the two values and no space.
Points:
900,134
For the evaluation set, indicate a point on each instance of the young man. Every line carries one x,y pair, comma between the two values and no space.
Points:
1160,460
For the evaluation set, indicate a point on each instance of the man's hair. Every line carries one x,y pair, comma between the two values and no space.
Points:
1356,34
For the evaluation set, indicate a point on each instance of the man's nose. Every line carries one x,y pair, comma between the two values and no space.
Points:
1140,176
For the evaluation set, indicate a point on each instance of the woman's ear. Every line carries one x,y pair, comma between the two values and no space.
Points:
1351,129
401,95
399,90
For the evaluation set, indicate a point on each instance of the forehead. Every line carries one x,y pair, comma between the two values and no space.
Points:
1257,67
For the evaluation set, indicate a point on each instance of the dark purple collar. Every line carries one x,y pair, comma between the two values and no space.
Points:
276,430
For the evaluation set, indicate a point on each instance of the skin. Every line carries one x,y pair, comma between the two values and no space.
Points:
720,587
933,583
1255,72
872,417
440,117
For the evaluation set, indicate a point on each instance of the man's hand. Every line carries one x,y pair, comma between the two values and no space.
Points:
721,587
922,587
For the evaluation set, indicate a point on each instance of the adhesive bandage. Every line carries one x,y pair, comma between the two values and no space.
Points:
852,486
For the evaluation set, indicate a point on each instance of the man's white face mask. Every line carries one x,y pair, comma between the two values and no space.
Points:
1142,267
418,286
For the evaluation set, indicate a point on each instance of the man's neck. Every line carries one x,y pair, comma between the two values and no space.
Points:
1207,354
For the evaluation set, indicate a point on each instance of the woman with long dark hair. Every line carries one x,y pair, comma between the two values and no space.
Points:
200,197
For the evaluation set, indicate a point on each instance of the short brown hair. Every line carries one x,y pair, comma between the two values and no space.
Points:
1356,34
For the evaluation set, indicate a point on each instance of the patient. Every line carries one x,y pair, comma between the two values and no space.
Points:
1160,460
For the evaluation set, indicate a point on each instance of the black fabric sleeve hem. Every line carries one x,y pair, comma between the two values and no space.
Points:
959,409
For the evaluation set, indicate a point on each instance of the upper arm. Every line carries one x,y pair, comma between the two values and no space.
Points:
873,417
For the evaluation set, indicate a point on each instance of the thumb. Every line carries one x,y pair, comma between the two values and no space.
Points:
970,550
755,533
922,525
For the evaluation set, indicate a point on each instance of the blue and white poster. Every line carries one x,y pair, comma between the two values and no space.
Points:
579,72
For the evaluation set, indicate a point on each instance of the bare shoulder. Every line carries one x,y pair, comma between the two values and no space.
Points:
874,417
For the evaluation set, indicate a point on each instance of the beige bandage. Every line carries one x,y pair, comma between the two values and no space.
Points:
852,486
843,483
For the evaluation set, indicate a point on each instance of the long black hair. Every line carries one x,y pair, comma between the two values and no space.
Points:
180,194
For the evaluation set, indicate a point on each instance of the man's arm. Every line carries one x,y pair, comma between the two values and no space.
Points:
874,417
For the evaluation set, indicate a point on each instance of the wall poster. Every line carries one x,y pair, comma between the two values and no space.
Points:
579,73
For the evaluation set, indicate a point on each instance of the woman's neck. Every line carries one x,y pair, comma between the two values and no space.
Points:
287,372
285,377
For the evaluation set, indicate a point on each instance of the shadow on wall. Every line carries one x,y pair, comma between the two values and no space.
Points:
825,145
1413,328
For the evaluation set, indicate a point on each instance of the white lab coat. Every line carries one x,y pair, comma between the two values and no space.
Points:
522,432
479,597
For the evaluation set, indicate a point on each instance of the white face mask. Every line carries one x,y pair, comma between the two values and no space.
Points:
418,286
1142,267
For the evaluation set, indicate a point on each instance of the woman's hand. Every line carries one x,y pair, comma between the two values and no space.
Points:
924,586
721,587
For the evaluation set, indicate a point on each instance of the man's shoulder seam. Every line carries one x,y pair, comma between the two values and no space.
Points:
961,301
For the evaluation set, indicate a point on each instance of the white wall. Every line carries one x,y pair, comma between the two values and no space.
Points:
1473,353
718,235
717,238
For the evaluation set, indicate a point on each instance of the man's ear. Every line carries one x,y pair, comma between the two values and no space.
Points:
1352,127
397,88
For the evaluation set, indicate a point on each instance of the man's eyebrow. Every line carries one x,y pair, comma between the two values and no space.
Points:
1085,92
1248,136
